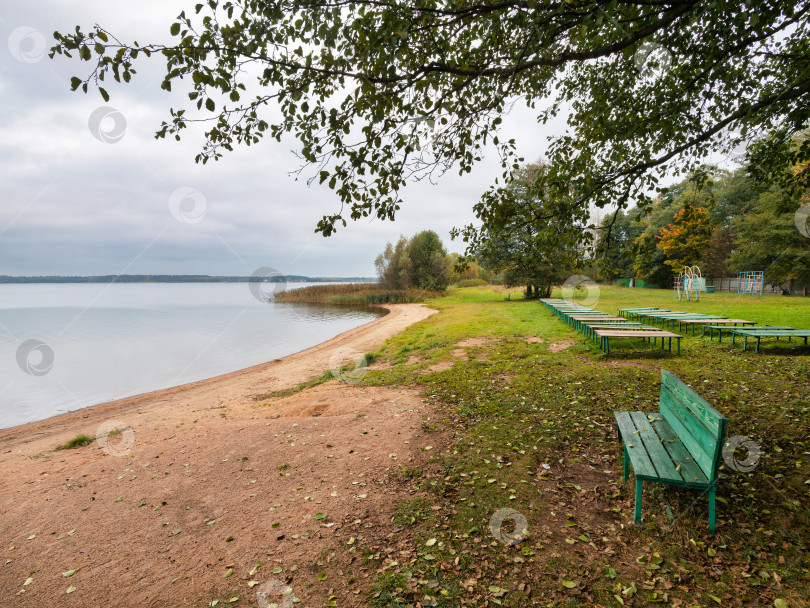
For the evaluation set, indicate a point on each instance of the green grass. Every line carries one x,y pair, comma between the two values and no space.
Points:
77,442
514,406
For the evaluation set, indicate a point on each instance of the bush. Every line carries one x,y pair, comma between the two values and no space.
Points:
471,283
77,442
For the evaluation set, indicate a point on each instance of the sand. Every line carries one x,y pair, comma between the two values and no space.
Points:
207,479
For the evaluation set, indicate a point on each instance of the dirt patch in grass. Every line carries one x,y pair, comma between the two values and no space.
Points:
618,364
557,347
438,367
535,340
473,342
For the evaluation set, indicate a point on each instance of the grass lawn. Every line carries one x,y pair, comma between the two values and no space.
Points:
534,432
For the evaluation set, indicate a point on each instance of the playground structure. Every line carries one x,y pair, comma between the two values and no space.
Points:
688,283
751,282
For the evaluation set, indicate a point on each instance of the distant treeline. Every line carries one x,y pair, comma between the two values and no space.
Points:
181,278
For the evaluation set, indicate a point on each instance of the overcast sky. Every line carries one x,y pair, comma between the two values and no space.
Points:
74,205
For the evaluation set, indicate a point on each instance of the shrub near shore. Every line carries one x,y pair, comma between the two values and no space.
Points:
354,294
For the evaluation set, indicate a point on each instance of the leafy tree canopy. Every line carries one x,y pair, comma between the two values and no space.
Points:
379,92
537,253
687,238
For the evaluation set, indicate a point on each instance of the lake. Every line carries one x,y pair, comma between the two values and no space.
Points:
67,346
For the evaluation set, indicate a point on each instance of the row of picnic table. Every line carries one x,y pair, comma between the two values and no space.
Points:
735,327
601,326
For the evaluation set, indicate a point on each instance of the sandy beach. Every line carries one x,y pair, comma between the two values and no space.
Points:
208,479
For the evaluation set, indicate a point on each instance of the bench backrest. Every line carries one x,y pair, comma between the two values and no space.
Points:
701,427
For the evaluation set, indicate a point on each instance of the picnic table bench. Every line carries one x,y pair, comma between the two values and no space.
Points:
681,445
589,329
714,321
768,333
578,319
720,329
628,312
605,335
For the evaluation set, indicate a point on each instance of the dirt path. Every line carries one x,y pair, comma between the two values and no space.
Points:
205,481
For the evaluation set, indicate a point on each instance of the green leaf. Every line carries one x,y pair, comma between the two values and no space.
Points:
320,516
210,105
69,573
175,29
106,97
322,576
780,603
568,584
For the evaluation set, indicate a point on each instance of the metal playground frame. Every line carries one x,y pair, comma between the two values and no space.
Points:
751,282
688,283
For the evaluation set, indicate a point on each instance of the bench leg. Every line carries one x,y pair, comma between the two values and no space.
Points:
637,512
626,464
678,340
711,510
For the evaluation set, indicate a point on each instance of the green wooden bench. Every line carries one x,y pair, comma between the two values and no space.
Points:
681,445
768,333
726,328
604,336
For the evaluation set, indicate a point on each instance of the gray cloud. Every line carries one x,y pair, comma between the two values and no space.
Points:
71,204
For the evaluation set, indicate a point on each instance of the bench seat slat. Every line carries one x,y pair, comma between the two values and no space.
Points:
690,470
665,469
635,448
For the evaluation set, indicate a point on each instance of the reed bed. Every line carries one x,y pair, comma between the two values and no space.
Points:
354,294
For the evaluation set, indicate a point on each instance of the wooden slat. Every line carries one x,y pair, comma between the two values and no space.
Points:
690,470
635,448
778,333
658,454
698,439
638,333
704,412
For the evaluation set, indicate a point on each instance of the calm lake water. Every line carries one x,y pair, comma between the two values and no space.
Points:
67,346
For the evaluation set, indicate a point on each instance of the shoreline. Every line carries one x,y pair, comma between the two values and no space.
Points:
288,371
